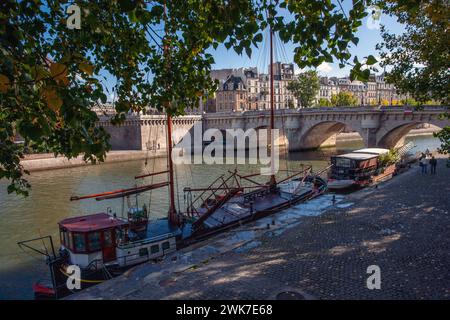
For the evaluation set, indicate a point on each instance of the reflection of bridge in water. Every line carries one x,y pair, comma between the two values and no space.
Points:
303,129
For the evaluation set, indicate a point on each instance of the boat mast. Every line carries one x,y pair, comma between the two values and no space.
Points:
272,181
173,217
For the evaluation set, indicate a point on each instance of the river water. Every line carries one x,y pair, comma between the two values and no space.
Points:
37,215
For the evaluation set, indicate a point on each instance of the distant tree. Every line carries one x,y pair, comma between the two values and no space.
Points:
291,104
410,102
305,88
323,102
343,99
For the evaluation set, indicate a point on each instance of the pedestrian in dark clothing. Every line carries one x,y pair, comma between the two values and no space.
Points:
433,163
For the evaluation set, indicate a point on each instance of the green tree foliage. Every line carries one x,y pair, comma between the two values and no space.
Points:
305,88
420,58
323,102
444,137
51,77
388,158
343,99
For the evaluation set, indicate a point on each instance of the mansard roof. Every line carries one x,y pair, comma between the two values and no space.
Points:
234,83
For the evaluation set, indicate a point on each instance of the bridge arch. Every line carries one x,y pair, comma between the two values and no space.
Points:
317,134
395,136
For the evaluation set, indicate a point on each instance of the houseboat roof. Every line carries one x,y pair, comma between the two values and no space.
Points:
91,222
377,151
357,156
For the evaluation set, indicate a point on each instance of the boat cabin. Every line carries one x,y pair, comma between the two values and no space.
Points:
357,165
92,237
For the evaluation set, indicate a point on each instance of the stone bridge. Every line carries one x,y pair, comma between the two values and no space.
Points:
302,128
310,128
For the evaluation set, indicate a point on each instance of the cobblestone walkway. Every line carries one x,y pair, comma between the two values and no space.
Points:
403,226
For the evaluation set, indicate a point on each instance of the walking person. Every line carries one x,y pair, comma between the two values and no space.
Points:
424,164
433,164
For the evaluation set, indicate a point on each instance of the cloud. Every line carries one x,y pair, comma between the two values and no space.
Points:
325,67
372,24
373,18
112,98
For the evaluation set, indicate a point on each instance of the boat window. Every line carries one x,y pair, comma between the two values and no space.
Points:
79,243
107,238
342,162
66,239
143,252
165,245
94,241
70,243
61,237
154,248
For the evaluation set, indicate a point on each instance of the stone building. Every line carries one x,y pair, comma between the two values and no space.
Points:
257,89
232,95
373,92
328,88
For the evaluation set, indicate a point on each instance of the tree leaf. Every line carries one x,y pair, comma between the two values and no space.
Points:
258,38
86,67
4,83
371,60
52,99
58,71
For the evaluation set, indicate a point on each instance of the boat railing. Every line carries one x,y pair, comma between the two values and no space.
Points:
304,172
147,240
220,187
323,172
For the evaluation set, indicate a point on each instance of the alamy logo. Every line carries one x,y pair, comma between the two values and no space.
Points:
73,277
374,280
211,147
74,19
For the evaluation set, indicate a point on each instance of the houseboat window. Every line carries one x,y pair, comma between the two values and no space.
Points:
143,252
165,245
70,243
79,243
62,237
94,241
154,248
121,235
107,238
342,162
66,239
